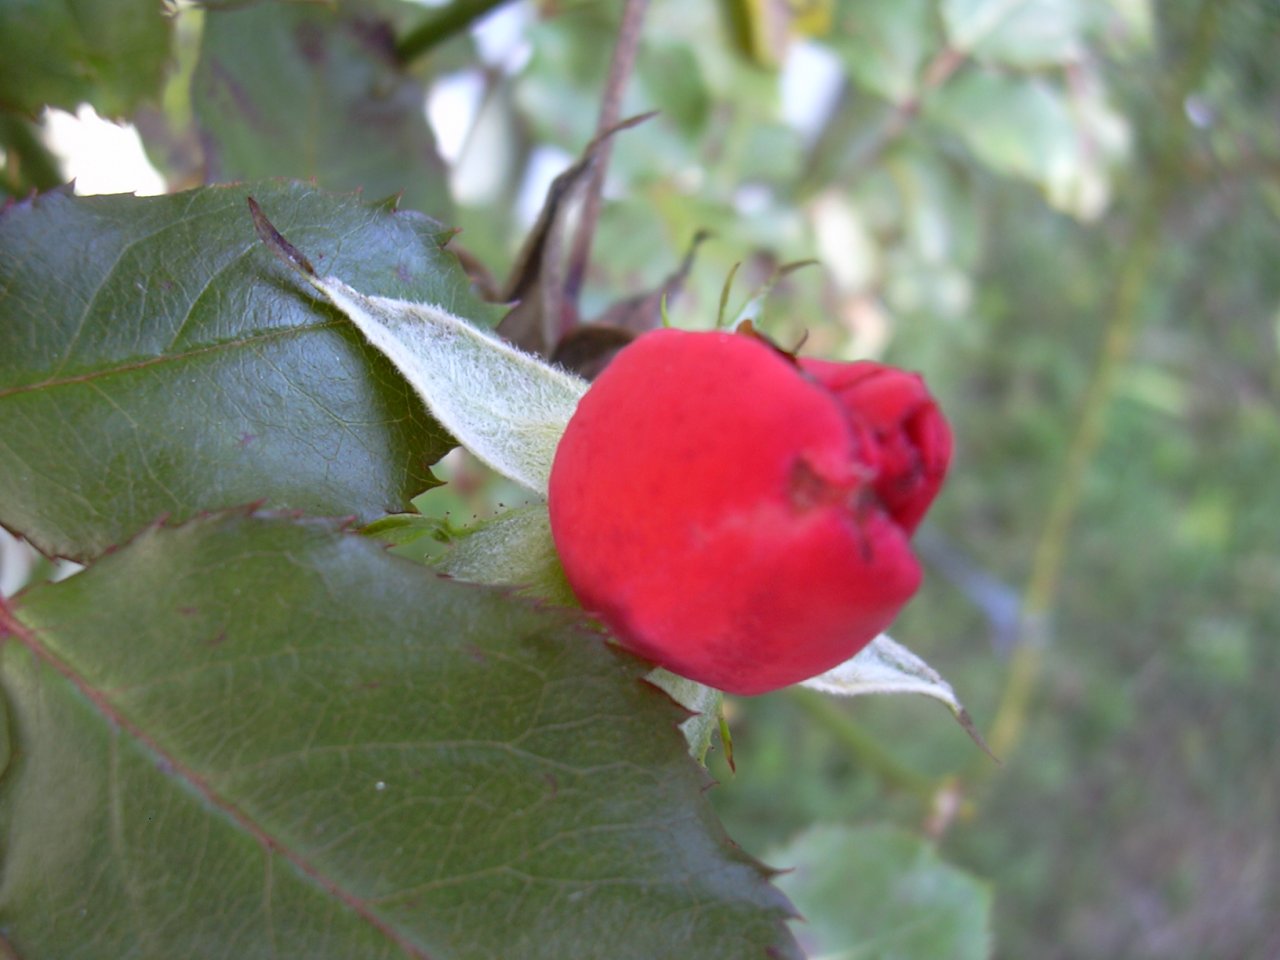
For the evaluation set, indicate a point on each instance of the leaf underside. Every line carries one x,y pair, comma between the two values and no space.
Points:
507,407
886,666
111,53
257,736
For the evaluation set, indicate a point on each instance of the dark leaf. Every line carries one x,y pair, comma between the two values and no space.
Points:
155,358
315,91
256,737
27,164
111,53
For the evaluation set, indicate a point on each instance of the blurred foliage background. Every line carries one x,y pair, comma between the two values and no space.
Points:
1065,213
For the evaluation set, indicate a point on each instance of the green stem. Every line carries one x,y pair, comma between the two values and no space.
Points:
442,24
865,748
1122,318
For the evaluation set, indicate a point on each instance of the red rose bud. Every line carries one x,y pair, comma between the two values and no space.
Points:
738,519
911,439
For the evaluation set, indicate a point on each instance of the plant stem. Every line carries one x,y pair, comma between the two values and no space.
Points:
441,24
864,748
624,58
1122,317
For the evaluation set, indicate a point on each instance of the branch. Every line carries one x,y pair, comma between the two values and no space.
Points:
624,57
1122,320
442,24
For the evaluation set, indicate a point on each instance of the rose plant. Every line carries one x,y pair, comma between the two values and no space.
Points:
792,484
741,517
364,682
289,705
264,718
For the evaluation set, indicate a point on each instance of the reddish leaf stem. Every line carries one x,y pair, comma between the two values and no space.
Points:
624,57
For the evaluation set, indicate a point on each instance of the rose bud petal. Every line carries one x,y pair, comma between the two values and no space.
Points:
720,509
913,439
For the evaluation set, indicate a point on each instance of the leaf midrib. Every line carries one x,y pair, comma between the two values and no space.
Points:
130,367
13,628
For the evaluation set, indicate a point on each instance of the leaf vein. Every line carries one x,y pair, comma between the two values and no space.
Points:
131,366
362,907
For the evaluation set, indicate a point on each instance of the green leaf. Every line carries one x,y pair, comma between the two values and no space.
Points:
258,737
26,164
1019,33
315,91
880,892
111,53
1027,128
886,666
703,703
1015,126
516,549
513,549
155,359
884,44
672,77
405,529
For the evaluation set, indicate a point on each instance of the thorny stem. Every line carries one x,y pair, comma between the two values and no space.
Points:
624,58
1126,301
